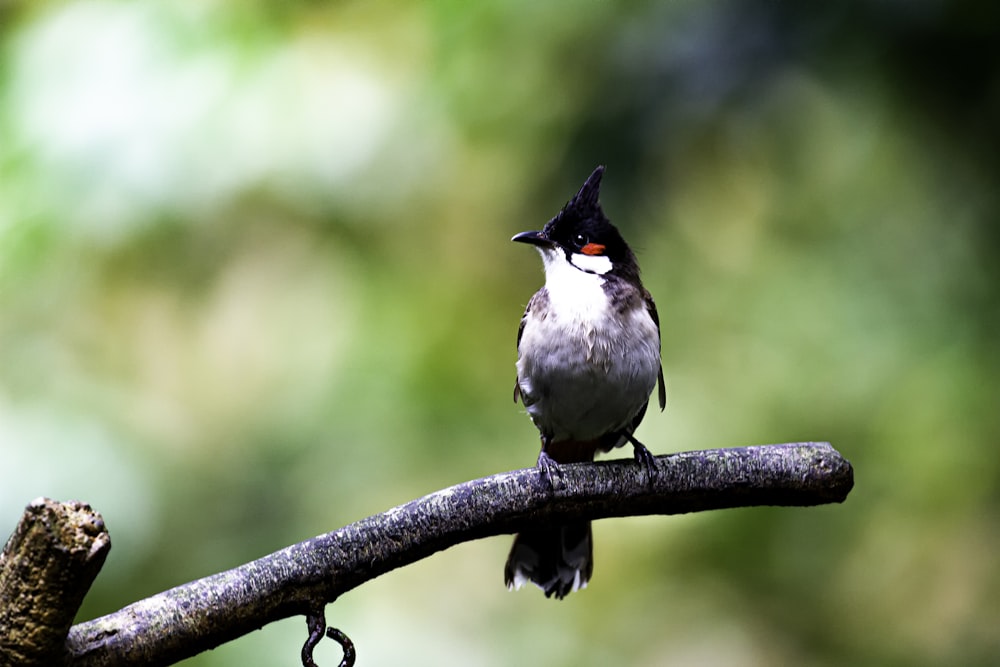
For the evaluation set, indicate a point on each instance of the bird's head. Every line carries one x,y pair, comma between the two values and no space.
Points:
582,235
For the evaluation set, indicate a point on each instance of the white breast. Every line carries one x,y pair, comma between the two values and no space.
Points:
574,294
584,370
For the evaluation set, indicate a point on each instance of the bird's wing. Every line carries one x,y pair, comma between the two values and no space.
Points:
536,299
651,307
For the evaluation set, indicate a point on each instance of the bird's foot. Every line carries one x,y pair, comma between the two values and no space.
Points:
643,457
549,470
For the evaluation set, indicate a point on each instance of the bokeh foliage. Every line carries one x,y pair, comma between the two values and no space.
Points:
255,283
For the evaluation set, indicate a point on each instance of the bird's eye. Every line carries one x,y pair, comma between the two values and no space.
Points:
581,240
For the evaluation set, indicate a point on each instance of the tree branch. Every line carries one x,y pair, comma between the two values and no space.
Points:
200,615
46,569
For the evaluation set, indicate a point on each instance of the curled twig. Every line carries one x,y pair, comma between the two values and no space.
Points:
316,622
345,644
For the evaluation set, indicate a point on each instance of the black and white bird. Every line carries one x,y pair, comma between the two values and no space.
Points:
588,358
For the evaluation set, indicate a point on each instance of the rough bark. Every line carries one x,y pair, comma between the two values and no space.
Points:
46,568
298,580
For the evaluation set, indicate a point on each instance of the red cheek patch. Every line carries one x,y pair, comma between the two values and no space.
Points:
592,249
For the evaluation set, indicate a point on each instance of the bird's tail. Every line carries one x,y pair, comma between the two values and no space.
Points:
558,558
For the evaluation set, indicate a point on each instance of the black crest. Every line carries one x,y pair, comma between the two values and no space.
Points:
582,221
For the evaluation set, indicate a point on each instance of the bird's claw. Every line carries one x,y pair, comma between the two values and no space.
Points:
646,459
549,470
643,457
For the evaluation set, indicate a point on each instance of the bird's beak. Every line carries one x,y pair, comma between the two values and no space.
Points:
534,238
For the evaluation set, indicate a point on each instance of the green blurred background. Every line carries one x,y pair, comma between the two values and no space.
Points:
255,284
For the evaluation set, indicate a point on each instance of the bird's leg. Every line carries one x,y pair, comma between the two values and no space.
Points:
548,467
642,455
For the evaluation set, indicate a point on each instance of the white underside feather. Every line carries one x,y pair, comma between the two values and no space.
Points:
583,369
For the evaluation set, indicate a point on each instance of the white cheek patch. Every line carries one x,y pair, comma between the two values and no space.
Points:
598,264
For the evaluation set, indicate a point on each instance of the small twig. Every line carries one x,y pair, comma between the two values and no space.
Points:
316,622
346,645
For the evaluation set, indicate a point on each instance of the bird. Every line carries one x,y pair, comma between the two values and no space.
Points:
588,358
